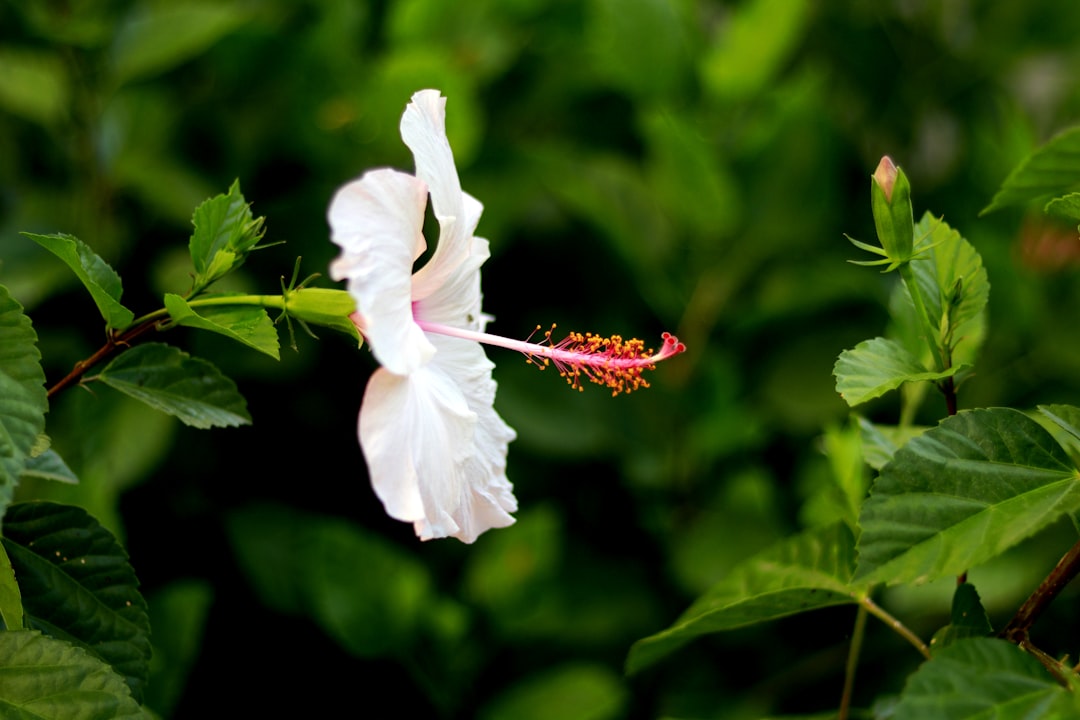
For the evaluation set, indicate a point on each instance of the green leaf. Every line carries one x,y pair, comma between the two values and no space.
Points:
753,46
1053,169
1067,207
225,232
178,614
880,442
49,679
23,402
49,466
159,36
804,572
11,609
962,493
94,273
968,619
982,678
573,691
954,287
246,324
34,85
876,366
77,585
176,383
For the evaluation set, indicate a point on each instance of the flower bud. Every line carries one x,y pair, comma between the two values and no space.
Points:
324,307
890,199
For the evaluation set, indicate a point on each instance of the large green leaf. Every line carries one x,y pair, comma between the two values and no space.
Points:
246,324
808,571
77,584
225,232
1053,169
94,273
876,366
962,493
983,678
176,383
43,678
23,402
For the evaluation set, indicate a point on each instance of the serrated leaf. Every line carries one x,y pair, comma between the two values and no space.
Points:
95,274
804,572
246,324
23,401
876,366
962,493
982,678
954,286
49,466
77,585
225,232
11,610
48,679
1067,206
967,619
1053,169
176,383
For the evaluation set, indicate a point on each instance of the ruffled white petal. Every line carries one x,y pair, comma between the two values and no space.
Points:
436,449
423,128
378,222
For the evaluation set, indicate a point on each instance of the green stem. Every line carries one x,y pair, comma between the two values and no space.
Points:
857,636
928,330
897,626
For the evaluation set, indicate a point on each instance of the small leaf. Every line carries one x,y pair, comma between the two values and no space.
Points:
961,494
176,383
1052,169
77,585
1067,207
23,401
874,367
94,273
49,466
48,679
968,618
808,571
246,324
225,232
954,286
982,678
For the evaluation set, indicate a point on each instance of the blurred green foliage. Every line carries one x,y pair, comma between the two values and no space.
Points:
688,165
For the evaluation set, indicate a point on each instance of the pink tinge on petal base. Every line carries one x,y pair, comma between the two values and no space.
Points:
605,360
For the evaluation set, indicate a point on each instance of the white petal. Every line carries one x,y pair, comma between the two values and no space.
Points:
378,221
436,449
423,128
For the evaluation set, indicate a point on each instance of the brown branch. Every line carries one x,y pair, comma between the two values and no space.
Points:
115,343
1019,627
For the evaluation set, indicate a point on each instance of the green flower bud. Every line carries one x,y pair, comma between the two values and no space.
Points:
324,307
890,199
